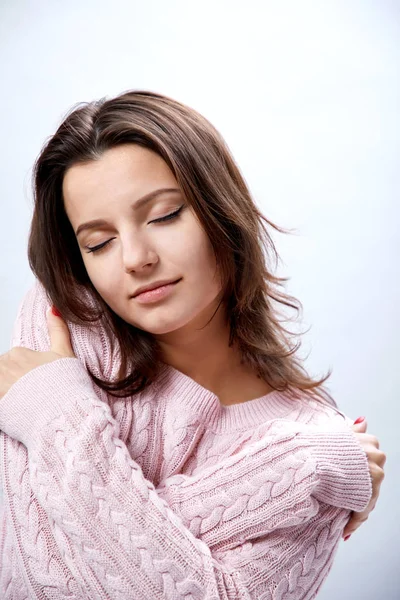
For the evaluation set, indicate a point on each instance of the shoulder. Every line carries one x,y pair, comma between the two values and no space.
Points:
30,327
316,413
90,342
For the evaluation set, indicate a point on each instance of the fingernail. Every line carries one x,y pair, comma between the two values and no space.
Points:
55,311
347,537
359,420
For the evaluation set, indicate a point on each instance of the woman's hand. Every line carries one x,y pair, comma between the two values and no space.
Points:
376,461
19,361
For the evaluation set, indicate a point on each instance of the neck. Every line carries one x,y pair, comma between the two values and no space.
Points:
203,354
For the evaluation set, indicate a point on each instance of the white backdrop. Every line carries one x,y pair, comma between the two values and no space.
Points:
307,95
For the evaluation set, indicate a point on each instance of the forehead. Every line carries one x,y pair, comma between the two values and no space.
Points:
126,171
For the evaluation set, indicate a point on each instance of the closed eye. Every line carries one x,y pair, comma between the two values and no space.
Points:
160,220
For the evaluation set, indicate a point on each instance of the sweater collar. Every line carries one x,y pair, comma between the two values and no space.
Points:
195,398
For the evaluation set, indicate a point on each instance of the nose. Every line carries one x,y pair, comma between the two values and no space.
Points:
136,255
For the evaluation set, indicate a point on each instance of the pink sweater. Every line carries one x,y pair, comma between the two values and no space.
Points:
167,494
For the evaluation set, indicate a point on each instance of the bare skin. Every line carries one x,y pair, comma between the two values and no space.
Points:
139,250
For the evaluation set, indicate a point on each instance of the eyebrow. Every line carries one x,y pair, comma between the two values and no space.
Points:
138,204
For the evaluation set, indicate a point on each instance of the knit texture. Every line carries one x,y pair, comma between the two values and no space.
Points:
166,494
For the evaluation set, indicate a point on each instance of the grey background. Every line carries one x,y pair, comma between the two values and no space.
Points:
307,97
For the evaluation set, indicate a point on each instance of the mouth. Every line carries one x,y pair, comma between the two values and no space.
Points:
156,293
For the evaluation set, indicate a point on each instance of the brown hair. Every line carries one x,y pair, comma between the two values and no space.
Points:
212,183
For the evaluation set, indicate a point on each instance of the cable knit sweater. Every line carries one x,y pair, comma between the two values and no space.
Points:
167,494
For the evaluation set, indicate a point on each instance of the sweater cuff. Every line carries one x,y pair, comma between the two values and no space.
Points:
43,394
342,468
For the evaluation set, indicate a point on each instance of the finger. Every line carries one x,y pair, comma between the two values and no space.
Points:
60,340
354,523
351,528
360,427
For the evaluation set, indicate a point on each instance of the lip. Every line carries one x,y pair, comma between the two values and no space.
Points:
154,286
157,294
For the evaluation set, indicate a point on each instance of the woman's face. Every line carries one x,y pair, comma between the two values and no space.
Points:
140,251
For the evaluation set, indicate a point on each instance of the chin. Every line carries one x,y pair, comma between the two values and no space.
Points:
160,325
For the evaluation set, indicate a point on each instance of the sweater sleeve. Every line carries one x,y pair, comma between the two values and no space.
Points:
117,536
117,533
113,528
272,484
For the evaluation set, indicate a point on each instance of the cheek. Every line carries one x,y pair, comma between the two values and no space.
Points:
194,247
104,278
200,260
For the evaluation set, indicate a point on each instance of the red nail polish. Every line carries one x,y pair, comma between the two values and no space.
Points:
55,311
359,420
347,537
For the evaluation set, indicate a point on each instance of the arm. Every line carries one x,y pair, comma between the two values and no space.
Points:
272,483
115,532
81,469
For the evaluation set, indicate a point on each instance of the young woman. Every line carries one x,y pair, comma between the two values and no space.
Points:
164,444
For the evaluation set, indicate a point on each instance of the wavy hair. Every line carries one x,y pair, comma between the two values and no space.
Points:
212,184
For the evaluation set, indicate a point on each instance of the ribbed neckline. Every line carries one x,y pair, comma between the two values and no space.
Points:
219,417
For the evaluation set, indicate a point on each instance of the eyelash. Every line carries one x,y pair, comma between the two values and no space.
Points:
169,217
